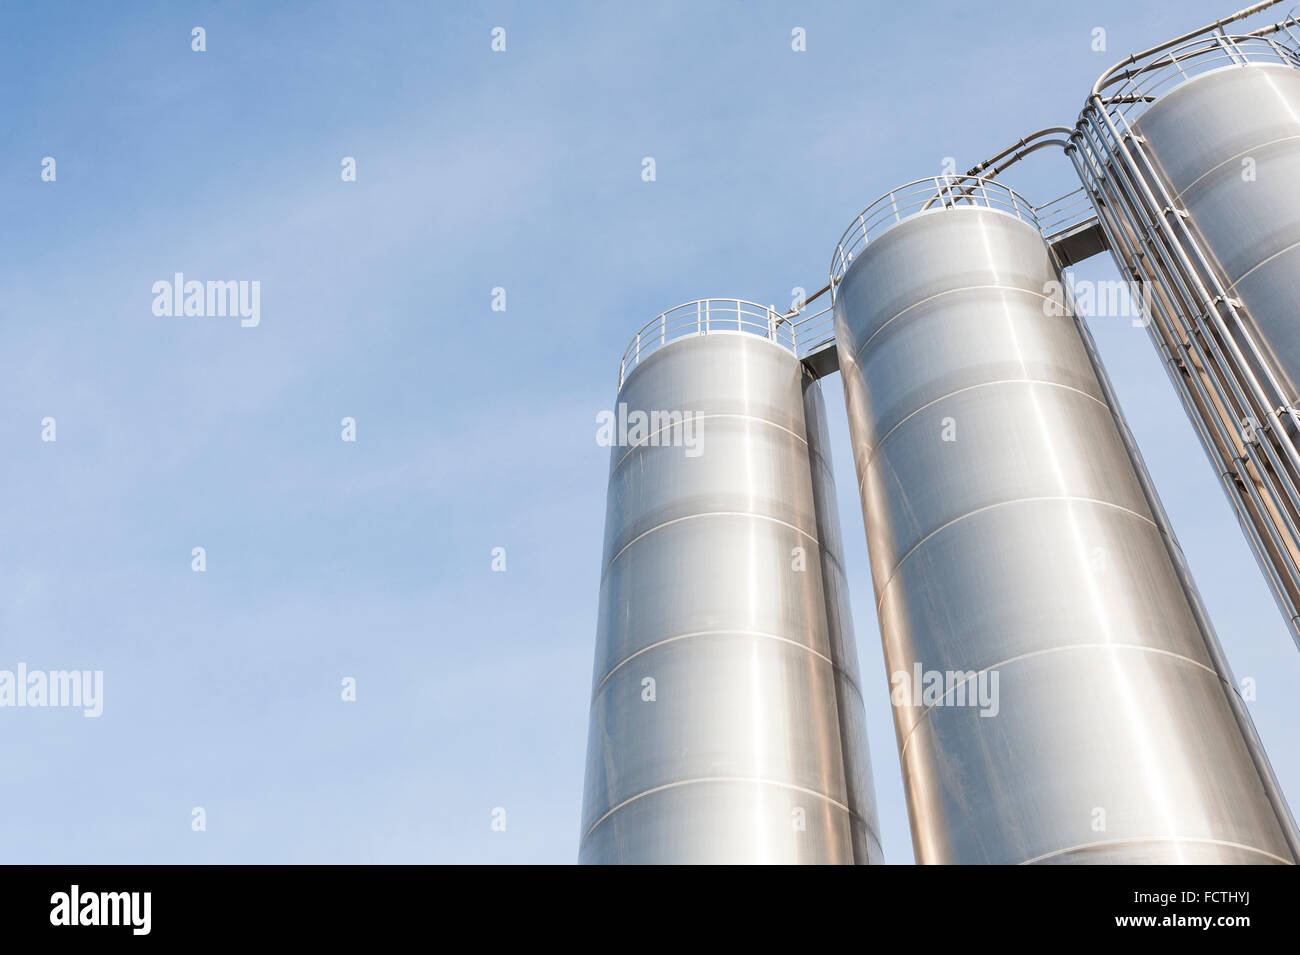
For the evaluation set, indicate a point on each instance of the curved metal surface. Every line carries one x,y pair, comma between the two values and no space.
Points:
723,584
1228,146
1018,552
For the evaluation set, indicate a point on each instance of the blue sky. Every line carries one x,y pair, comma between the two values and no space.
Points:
475,429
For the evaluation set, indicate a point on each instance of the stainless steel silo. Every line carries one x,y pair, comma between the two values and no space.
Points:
1191,154
726,721
1059,695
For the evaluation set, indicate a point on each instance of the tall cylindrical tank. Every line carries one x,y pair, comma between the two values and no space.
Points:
726,721
1059,694
1191,155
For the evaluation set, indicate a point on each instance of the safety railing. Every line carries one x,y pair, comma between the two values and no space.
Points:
1065,213
936,194
1128,92
702,317
805,329
814,329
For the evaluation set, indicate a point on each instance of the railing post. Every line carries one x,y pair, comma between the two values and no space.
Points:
663,328
740,321
638,349
1226,42
699,319
1173,56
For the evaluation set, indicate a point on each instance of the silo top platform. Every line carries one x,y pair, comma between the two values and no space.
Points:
1127,89
702,317
807,333
931,195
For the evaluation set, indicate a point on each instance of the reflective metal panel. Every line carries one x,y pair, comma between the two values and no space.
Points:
1058,694
726,720
1228,145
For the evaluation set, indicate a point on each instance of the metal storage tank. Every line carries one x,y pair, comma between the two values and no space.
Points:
726,721
1191,154
1019,553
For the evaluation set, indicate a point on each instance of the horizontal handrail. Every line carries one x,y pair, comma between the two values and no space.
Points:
923,196
1120,71
1132,91
702,317
1065,213
814,330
